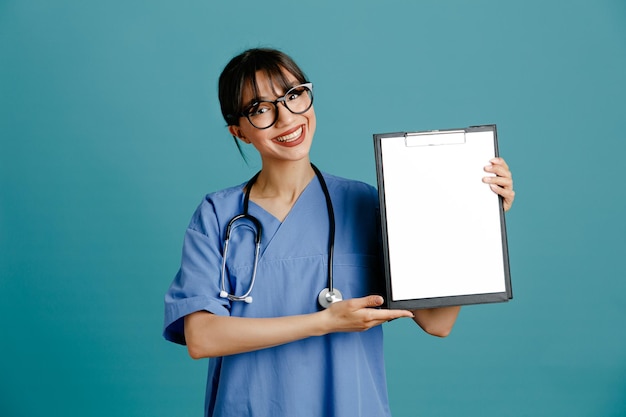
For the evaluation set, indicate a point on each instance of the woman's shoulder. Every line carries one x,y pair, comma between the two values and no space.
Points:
349,186
222,198
353,195
217,205
226,194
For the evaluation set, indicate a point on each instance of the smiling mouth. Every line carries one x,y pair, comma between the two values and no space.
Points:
290,137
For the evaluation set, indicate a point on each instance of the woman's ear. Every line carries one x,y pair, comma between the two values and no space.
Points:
236,132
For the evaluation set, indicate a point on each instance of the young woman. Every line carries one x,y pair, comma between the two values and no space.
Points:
255,310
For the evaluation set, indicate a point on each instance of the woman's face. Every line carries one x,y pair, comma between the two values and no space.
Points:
290,138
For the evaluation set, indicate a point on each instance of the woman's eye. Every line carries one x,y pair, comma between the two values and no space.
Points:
293,95
259,109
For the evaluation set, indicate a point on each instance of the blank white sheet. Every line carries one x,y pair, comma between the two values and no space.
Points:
444,230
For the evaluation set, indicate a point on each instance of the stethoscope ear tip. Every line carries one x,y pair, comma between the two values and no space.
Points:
224,294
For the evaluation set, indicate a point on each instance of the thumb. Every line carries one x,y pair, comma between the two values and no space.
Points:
373,301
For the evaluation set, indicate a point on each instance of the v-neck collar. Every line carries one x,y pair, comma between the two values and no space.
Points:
266,215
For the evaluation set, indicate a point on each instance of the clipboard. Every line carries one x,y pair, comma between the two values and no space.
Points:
443,229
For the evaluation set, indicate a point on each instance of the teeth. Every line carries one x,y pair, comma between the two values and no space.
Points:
290,136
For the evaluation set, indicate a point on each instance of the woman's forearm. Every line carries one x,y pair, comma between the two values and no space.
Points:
437,321
209,335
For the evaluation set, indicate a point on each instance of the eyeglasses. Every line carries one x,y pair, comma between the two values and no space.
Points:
263,114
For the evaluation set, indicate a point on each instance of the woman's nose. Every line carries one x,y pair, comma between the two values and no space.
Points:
285,116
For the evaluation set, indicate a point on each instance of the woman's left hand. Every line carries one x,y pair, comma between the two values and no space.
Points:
502,183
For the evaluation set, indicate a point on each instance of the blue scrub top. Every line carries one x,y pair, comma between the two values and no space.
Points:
339,374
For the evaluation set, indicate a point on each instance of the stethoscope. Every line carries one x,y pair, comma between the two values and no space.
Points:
328,295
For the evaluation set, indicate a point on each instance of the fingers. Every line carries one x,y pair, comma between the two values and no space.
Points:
500,168
500,162
359,314
378,314
388,315
502,182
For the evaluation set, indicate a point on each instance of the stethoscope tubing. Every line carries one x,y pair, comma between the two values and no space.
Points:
328,295
331,227
258,231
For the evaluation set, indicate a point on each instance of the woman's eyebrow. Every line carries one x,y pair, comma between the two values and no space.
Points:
252,102
261,98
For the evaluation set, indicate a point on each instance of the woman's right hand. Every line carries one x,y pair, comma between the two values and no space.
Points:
209,335
359,314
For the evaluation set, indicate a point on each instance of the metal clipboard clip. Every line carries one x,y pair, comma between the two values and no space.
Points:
435,138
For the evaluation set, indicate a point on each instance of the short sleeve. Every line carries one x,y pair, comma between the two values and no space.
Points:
196,286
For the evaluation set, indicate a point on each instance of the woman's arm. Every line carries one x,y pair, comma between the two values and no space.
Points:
437,321
209,335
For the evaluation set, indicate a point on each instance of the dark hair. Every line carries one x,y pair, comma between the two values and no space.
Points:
241,72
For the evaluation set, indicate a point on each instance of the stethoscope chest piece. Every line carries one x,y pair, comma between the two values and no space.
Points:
327,297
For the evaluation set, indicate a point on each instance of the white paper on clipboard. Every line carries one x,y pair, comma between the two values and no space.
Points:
443,228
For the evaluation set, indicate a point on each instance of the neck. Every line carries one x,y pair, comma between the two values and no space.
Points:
278,187
283,180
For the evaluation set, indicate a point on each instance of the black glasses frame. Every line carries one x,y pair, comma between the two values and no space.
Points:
283,99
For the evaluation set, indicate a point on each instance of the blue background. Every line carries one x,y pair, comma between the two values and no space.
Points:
110,134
